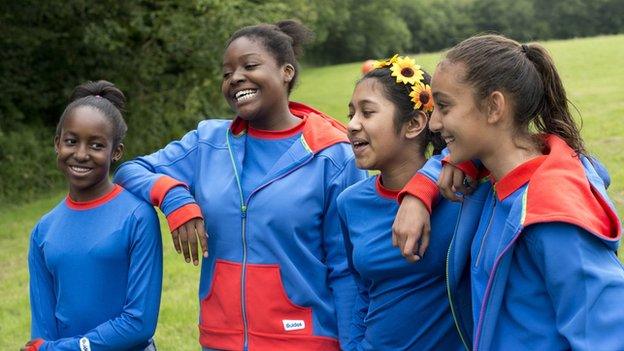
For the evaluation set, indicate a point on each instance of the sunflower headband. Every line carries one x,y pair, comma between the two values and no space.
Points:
409,73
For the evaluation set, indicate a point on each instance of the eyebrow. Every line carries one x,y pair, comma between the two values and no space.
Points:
438,95
244,56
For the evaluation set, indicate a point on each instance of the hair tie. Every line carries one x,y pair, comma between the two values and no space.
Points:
525,48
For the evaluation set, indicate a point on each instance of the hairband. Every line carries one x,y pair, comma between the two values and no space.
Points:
407,72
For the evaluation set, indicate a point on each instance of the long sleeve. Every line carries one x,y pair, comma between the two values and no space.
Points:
137,322
340,278
585,282
165,178
42,297
357,328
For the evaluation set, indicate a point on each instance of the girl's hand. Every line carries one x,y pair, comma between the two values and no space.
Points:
453,181
411,228
187,236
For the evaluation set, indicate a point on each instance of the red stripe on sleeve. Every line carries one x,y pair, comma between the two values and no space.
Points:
161,187
182,215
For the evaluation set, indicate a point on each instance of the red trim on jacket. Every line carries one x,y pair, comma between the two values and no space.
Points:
517,177
161,187
86,205
277,134
385,192
319,130
269,312
34,345
182,215
559,191
468,167
422,188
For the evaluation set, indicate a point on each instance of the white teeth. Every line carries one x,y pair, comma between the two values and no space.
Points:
79,169
245,95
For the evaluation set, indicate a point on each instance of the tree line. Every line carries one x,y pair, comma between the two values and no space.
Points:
166,56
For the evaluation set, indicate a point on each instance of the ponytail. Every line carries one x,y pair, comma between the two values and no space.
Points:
554,116
525,72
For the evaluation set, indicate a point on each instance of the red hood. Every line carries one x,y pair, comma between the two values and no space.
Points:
320,131
571,197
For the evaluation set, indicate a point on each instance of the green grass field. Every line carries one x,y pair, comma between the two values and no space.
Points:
591,72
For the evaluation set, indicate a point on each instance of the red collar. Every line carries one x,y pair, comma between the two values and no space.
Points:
278,134
86,205
518,176
385,192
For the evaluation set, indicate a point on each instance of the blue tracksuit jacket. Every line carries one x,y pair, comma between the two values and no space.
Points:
400,305
277,276
95,274
532,265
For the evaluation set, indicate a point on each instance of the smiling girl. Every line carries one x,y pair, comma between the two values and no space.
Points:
400,305
266,182
533,261
95,260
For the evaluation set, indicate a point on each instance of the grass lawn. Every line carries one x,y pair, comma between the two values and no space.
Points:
591,73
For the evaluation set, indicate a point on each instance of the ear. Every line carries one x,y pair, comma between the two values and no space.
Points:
289,72
57,140
117,153
416,125
497,106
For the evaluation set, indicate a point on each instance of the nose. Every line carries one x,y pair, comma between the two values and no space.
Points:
354,124
82,153
435,122
237,77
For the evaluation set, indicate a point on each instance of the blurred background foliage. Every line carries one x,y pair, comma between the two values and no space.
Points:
166,56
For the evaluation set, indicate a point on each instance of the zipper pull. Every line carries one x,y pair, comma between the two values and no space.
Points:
243,211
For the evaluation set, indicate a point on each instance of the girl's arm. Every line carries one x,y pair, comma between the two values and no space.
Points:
411,228
340,279
42,297
585,282
164,179
137,322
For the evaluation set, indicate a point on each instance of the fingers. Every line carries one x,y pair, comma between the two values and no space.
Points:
424,240
445,184
410,248
203,238
184,242
176,242
458,180
192,239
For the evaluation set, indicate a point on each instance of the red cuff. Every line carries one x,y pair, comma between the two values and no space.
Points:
161,187
468,167
183,215
422,188
34,345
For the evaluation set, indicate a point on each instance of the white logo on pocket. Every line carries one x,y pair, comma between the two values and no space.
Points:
85,345
290,324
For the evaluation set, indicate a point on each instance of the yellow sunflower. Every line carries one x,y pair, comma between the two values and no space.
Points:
406,70
385,63
421,97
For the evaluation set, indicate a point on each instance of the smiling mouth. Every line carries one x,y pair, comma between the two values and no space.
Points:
80,170
245,95
358,145
448,139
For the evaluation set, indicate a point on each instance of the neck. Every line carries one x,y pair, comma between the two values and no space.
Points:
509,155
395,177
279,119
91,193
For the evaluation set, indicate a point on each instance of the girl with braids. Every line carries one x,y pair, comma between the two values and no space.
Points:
95,260
274,274
533,261
400,305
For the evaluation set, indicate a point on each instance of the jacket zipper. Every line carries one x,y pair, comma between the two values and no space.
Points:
448,283
244,206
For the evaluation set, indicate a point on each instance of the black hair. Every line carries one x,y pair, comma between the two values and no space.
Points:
105,97
284,40
398,94
528,74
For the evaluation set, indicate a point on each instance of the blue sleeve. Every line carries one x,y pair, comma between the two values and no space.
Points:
357,328
42,296
585,282
433,167
340,278
152,177
137,322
